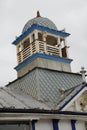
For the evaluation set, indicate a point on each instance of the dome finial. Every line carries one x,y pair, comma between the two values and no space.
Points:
38,14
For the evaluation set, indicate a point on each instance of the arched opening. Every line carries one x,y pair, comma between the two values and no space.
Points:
26,43
40,38
51,40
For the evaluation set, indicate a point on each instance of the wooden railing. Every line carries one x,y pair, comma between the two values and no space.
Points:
52,50
37,47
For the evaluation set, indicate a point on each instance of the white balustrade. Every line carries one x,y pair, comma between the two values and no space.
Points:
37,47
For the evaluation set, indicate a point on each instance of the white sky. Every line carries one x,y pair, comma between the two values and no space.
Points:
69,14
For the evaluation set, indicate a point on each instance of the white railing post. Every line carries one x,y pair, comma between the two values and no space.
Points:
65,44
45,47
36,34
37,46
31,49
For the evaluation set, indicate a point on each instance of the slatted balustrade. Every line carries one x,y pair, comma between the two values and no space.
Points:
36,47
52,50
26,52
41,47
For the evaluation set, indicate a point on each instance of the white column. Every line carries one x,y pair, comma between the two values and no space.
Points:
37,46
21,46
44,39
59,45
65,45
36,34
45,47
44,36
30,38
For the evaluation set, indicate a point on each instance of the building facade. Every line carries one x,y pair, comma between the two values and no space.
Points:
46,95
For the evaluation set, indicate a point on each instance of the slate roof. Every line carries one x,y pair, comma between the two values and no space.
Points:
40,88
12,99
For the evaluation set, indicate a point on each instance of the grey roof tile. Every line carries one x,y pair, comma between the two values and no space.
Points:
45,85
18,100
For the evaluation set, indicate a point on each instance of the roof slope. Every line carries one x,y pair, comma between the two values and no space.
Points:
12,99
47,86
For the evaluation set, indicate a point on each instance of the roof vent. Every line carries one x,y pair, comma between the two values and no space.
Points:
83,72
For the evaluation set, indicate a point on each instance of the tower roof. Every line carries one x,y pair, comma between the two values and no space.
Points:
39,21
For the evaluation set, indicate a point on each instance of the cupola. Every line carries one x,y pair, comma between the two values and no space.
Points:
41,44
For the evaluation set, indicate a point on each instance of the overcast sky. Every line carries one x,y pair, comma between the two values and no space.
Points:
69,14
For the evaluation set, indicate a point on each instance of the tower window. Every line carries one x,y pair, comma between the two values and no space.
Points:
33,37
51,40
26,43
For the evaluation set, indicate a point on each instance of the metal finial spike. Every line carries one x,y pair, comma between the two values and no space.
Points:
38,14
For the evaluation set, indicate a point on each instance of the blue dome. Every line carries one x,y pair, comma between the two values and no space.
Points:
42,21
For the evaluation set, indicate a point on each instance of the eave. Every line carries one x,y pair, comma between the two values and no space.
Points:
36,114
41,28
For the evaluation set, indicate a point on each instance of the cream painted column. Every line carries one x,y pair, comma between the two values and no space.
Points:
36,40
31,49
31,45
36,34
45,44
37,45
17,53
44,35
59,45
21,48
30,38
65,45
